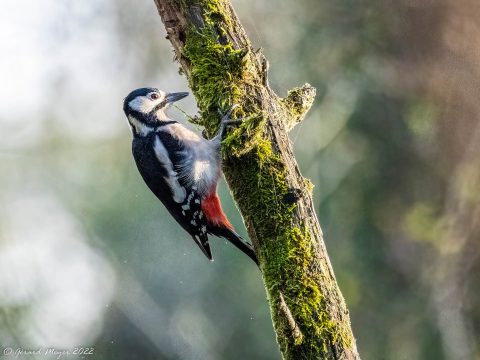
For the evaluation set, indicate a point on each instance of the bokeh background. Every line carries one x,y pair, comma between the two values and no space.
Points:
88,257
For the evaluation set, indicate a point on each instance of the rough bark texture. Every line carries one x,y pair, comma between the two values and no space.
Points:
308,311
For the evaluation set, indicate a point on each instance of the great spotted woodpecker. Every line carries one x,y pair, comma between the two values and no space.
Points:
181,168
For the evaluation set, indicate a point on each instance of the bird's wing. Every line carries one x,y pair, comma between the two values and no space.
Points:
202,242
187,209
191,210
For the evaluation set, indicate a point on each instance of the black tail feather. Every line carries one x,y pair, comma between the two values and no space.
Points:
236,240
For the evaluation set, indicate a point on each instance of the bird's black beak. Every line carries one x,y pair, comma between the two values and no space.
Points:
172,97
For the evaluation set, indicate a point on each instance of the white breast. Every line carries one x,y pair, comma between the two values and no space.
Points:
202,168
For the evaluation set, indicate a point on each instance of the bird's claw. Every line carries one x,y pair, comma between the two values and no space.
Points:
226,120
228,113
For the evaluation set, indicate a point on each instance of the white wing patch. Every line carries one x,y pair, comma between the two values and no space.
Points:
178,191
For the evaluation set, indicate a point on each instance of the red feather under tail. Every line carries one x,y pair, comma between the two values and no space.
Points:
220,226
212,208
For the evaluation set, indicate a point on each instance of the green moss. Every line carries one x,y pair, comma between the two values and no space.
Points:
244,138
220,77
287,252
298,101
216,69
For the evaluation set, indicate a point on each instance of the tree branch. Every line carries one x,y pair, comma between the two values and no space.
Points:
297,103
308,311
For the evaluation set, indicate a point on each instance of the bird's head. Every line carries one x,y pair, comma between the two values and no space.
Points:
147,106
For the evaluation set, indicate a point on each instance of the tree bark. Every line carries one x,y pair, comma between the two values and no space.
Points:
308,311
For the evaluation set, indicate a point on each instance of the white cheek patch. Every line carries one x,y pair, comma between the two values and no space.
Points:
142,104
178,191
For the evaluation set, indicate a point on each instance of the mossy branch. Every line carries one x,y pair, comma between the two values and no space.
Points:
297,103
308,311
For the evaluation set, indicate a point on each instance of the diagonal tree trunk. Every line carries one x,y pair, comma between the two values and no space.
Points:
308,311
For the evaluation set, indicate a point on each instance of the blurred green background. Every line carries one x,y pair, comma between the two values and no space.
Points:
88,256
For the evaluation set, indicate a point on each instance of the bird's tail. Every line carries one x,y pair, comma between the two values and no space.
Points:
236,240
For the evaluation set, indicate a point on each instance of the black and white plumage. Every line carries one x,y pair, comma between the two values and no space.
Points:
180,167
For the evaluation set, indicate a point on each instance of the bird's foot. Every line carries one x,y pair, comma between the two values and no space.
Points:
227,121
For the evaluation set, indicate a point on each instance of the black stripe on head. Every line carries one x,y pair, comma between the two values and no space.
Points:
157,107
169,98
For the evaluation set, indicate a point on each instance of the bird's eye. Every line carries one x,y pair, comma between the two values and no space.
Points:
154,96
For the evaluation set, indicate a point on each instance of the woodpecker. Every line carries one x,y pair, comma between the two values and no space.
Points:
180,167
